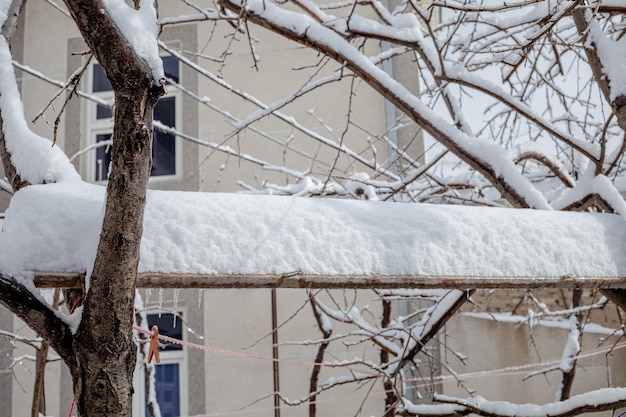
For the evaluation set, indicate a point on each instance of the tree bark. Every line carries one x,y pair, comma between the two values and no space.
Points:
618,104
567,377
104,336
105,352
319,356
390,394
39,396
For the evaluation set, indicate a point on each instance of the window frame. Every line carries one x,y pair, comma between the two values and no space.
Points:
167,357
94,127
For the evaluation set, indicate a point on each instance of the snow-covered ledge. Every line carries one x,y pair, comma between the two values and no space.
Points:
208,240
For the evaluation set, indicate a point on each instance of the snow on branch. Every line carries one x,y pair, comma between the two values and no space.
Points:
607,66
613,63
21,298
353,316
33,342
35,158
433,410
140,29
593,401
486,157
592,191
436,315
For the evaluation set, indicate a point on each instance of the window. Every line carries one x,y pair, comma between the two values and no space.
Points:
168,374
169,325
167,384
164,154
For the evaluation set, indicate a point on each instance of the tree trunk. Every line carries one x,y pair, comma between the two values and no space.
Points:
105,352
39,396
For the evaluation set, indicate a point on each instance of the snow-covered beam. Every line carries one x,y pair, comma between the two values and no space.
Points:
210,240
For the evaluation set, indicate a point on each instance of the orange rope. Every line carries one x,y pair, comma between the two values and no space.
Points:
78,300
243,355
72,407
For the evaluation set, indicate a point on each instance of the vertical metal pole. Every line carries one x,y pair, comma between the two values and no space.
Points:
275,354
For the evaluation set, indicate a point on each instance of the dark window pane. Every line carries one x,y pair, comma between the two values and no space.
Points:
165,111
164,144
163,154
100,80
103,112
170,66
167,387
168,327
103,158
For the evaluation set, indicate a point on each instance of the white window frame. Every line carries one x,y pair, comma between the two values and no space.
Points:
179,357
94,127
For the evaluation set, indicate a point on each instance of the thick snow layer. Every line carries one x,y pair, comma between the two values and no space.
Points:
613,64
141,30
35,158
55,227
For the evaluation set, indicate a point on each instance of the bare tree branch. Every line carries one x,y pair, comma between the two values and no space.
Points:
457,142
576,405
584,19
323,324
39,316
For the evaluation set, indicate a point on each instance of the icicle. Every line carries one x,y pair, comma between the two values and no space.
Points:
148,293
176,293
160,301
200,296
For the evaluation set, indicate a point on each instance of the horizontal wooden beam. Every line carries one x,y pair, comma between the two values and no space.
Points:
300,280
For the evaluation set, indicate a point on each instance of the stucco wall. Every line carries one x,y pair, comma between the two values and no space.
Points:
487,347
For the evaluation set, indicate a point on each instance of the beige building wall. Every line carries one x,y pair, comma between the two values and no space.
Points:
235,382
272,79
499,357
